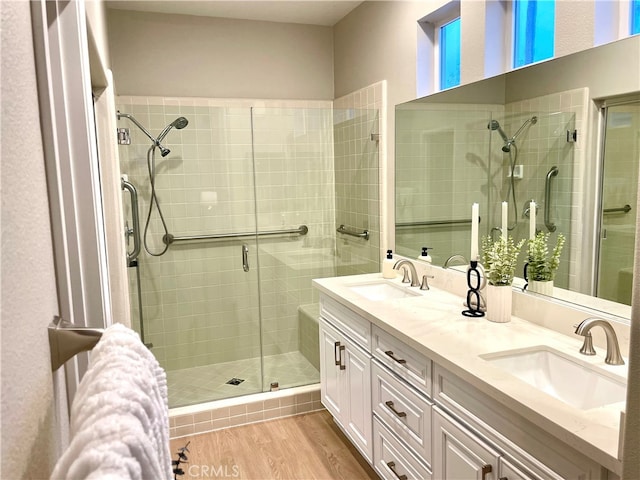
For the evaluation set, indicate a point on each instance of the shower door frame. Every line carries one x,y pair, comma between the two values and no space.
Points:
604,120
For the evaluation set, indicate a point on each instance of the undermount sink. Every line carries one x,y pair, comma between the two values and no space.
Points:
379,291
577,384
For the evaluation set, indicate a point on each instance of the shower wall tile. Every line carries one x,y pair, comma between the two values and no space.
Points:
544,146
358,160
443,161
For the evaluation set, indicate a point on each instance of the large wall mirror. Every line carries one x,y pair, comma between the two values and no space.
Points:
564,134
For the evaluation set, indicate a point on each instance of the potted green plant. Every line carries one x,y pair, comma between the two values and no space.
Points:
499,260
541,266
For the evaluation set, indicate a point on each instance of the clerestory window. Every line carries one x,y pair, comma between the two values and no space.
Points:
449,40
533,31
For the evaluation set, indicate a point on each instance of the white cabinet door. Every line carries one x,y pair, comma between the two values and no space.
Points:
358,386
331,377
345,386
458,454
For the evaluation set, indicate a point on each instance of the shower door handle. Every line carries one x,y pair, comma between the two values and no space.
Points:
551,226
245,257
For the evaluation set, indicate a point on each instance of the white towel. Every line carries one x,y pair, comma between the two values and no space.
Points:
119,417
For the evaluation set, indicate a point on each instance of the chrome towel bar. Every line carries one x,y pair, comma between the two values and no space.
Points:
364,234
67,340
625,209
433,223
168,239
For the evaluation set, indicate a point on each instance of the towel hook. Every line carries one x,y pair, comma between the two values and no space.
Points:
67,340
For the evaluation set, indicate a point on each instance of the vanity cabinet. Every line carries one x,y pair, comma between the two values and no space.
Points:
345,384
412,418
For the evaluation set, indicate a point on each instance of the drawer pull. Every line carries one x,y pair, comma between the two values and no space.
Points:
340,358
392,467
336,345
390,405
399,360
486,469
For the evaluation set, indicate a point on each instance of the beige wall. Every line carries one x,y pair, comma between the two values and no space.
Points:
30,433
189,56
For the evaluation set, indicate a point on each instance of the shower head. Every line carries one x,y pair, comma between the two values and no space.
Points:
495,125
163,151
179,123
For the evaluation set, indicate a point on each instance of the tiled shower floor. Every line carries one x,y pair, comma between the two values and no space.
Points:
206,383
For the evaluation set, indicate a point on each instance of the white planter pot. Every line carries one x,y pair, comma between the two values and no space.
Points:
499,303
543,288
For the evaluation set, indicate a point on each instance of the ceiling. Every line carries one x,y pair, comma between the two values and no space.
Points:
311,12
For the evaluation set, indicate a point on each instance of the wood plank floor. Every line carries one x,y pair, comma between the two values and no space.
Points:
308,446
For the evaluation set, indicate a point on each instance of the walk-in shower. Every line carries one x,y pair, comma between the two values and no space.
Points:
251,199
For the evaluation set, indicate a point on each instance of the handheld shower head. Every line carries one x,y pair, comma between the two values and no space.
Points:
179,123
495,125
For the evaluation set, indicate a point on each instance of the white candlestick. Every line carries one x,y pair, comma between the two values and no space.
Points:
475,212
505,215
532,220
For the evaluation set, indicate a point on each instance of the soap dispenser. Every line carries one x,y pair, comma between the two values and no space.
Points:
424,256
387,266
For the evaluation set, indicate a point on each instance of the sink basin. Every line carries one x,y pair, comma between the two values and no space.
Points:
579,385
379,291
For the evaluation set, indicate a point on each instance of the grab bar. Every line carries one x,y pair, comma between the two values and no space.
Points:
430,223
553,171
168,239
625,209
136,221
67,340
364,234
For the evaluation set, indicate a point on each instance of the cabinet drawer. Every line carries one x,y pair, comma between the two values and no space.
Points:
410,365
513,470
405,412
349,322
392,460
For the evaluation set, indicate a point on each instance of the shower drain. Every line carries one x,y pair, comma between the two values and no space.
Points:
235,381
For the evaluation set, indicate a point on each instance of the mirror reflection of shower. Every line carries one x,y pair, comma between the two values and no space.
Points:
511,148
179,123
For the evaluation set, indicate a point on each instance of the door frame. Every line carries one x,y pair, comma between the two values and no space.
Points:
72,169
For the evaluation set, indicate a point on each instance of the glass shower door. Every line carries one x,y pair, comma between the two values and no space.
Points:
200,299
294,183
621,150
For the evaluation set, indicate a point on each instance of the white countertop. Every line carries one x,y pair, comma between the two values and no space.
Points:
432,324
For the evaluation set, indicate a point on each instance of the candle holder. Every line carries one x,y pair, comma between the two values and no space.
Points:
473,294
